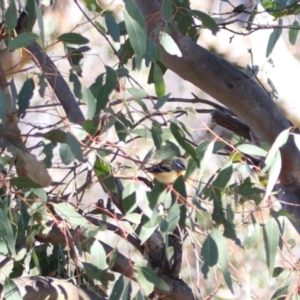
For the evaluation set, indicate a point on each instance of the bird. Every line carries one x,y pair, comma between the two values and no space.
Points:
168,170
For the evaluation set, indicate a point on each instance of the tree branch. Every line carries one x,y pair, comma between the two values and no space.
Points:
232,88
57,82
55,79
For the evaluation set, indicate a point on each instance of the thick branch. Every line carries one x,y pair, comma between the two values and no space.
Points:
231,87
55,79
57,82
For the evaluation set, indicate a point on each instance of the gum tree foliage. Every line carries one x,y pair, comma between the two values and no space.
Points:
175,242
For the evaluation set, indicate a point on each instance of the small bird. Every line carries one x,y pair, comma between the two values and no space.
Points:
168,170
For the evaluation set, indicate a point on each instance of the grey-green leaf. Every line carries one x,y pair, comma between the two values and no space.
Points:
75,146
3,108
66,154
73,38
169,44
210,255
271,240
10,289
274,37
11,17
22,40
223,258
25,95
293,33
135,26
112,27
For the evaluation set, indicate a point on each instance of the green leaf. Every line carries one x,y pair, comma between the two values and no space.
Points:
10,289
127,291
161,101
206,20
25,95
249,191
218,214
140,296
135,25
223,258
164,225
104,174
111,257
98,255
75,57
271,241
273,174
67,212
279,142
277,271
125,52
3,108
252,150
165,198
149,51
42,84
229,231
97,274
6,231
137,93
151,73
56,135
122,72
147,279
77,85
274,37
293,33
118,288
73,38
210,255
66,154
122,124
40,23
253,235
24,182
240,8
14,93
40,192
111,83
159,82
133,218
112,27
167,9
169,44
146,231
22,40
156,134
173,217
281,293
75,146
179,136
128,190
154,195
223,178
31,14
205,160
11,17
